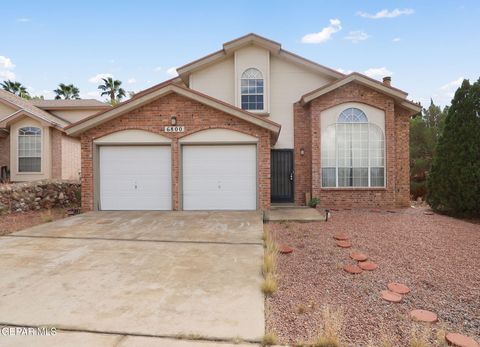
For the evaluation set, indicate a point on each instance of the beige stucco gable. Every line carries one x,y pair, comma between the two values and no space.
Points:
285,81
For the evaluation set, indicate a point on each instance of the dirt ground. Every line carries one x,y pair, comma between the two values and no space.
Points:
18,221
436,256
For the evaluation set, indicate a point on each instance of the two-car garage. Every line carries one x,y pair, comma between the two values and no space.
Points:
135,171
174,148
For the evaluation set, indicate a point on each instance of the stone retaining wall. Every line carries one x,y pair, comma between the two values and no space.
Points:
31,196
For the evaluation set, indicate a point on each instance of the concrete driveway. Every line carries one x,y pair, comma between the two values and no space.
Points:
136,275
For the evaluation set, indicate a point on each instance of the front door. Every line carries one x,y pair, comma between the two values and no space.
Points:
282,175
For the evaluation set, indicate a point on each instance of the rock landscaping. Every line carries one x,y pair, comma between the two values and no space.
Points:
39,195
411,248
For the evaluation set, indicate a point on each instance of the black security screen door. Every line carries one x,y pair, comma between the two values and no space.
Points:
282,175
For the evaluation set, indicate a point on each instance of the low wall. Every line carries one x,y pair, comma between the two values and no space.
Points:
31,196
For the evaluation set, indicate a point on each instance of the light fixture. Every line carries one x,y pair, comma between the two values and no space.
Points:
302,151
173,120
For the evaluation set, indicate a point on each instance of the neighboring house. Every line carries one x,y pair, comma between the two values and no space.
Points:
33,143
245,126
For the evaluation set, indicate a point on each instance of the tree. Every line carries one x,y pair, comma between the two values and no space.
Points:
111,88
425,128
67,92
454,180
16,88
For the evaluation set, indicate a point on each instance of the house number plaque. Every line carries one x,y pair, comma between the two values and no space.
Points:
175,129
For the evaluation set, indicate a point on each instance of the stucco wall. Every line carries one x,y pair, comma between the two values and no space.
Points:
288,83
5,151
5,110
73,115
285,83
71,159
45,173
216,80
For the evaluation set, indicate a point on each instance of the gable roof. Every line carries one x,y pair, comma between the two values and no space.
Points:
275,48
81,104
399,95
24,107
161,90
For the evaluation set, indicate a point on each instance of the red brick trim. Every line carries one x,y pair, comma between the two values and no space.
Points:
195,117
307,134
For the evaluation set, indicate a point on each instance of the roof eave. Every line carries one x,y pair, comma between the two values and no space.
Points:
88,123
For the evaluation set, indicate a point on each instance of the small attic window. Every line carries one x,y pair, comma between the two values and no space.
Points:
252,90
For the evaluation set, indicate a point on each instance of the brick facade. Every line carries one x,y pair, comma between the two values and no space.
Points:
195,117
308,168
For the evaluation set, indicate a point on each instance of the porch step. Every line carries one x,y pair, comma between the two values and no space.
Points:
293,214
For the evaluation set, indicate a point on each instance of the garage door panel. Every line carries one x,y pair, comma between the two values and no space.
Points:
135,178
219,177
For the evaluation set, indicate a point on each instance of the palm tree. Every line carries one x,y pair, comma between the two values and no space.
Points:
111,88
67,92
16,88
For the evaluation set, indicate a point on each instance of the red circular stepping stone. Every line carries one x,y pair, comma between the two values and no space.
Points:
390,296
358,256
398,288
353,269
367,265
285,249
340,237
423,316
460,340
344,244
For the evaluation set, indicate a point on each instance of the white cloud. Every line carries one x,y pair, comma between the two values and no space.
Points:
357,36
396,39
92,95
172,71
7,75
131,80
386,13
158,69
376,72
23,20
98,77
345,72
6,66
6,63
325,34
452,85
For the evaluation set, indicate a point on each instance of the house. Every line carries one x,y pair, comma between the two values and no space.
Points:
246,126
33,142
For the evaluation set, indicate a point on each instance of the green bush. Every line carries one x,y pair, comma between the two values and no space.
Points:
314,202
454,180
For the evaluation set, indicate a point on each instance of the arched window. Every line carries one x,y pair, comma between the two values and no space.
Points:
353,153
29,149
251,85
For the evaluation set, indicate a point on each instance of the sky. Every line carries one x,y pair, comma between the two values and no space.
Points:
427,47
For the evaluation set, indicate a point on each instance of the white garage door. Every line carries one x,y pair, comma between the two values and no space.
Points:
135,178
219,177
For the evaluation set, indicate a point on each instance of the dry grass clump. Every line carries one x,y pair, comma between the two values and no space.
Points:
269,339
47,216
269,284
330,329
269,266
420,337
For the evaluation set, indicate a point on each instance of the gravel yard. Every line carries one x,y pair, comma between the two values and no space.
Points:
438,257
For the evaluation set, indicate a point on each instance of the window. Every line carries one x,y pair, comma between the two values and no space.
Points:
29,149
353,152
251,85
